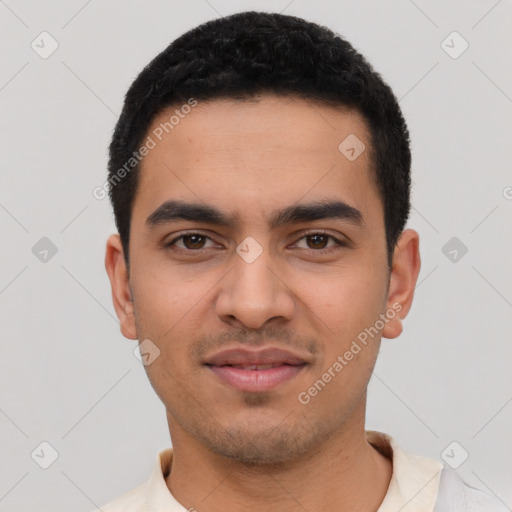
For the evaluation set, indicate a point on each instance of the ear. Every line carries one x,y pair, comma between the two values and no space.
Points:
121,294
404,274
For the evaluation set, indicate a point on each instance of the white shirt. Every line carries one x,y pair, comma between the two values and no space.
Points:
418,484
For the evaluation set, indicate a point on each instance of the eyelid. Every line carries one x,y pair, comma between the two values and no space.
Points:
339,241
319,231
187,233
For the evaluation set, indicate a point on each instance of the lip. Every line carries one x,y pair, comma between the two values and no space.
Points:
285,365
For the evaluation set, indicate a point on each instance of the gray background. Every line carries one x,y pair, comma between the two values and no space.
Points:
67,375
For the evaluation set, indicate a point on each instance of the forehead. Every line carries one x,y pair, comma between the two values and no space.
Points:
233,126
254,155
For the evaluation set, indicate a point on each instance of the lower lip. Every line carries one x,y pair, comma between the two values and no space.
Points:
256,380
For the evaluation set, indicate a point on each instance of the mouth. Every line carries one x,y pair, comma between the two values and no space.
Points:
255,371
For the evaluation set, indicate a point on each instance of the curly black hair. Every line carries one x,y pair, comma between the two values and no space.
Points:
250,53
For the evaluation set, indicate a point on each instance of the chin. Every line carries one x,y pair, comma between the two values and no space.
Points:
275,445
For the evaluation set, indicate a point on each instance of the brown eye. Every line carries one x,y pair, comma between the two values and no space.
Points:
318,241
193,241
190,242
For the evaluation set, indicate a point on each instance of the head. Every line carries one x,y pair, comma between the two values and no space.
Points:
262,205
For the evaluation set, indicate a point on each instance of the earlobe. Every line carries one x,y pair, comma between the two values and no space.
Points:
404,275
121,294
393,328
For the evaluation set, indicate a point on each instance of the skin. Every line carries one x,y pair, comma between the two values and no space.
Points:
236,450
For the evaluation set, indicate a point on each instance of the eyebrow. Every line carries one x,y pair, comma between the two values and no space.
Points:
173,210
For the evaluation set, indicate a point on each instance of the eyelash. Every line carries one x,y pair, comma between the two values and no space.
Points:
338,243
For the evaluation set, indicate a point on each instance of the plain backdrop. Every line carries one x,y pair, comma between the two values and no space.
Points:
67,375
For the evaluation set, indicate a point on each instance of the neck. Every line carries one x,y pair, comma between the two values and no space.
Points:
344,473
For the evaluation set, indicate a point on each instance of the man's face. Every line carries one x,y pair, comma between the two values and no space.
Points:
254,284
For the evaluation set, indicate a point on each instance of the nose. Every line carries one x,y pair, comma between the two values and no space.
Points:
254,293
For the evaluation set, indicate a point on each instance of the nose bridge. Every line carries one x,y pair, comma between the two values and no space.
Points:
253,293
252,271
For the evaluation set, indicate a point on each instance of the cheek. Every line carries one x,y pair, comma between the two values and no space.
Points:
169,310
347,305
166,299
347,301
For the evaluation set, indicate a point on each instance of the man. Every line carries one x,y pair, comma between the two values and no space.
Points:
260,180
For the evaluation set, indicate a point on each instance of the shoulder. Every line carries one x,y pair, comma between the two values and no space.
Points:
441,488
457,496
133,501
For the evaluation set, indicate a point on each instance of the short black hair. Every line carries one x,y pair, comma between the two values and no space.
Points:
250,53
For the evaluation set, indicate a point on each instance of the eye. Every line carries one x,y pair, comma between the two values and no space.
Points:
196,242
190,242
317,242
